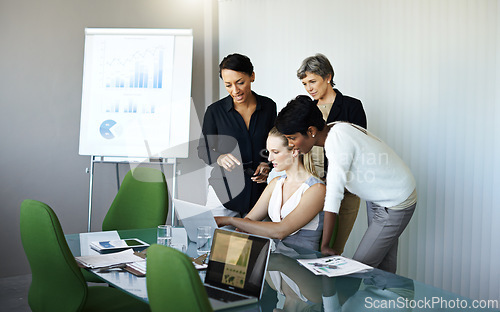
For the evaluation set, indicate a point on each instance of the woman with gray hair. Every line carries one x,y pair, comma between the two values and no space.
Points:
316,74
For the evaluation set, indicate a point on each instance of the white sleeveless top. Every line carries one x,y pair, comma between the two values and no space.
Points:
276,214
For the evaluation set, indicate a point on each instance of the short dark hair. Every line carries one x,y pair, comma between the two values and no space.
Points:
236,62
317,64
298,115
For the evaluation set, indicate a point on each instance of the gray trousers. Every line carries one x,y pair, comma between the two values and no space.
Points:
379,246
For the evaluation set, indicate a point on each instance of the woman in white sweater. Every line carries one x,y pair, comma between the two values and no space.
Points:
365,166
293,202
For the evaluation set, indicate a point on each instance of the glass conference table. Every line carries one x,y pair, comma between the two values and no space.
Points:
291,287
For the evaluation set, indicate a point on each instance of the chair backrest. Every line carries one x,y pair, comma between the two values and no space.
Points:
57,283
141,201
173,283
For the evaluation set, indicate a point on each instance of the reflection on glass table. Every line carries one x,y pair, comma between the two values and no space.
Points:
291,287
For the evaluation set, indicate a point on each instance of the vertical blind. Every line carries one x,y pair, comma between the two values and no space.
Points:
428,74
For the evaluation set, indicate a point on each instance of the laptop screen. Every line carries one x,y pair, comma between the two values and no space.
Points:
238,262
192,216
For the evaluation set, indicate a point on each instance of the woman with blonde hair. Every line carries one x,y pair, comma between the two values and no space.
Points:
293,202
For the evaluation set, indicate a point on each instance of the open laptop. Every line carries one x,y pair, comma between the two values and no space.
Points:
236,268
192,216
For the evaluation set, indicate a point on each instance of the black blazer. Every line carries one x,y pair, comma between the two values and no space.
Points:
346,108
224,131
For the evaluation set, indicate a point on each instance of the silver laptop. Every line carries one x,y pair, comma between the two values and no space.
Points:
192,216
236,268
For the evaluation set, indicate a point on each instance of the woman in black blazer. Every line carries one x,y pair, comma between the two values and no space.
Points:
316,74
234,135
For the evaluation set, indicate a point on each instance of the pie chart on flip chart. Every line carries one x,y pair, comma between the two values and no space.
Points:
109,129
132,92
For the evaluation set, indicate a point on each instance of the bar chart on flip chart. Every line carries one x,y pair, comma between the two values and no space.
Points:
136,93
141,68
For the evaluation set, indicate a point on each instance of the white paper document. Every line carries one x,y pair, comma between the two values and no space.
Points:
139,267
86,238
99,261
333,266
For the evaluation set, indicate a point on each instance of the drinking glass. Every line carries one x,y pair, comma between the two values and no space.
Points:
180,247
164,235
204,239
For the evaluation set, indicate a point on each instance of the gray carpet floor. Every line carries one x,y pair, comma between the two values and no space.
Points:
14,293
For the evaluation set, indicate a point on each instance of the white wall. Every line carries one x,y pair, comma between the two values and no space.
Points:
428,74
41,64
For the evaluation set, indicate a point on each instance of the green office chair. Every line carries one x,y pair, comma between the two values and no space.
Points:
141,201
57,283
173,283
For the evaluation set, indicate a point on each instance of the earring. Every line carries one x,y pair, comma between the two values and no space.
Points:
313,135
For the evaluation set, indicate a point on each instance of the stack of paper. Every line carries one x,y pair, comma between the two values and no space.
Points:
333,266
137,268
100,261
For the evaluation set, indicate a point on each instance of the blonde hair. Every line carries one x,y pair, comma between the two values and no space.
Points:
309,164
306,159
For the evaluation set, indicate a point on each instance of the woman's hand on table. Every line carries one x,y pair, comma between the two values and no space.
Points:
327,251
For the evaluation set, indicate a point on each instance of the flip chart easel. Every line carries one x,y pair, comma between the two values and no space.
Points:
126,160
136,97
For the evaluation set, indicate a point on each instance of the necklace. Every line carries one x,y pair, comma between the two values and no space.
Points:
325,109
329,104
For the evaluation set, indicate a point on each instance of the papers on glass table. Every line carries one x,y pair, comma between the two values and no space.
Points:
136,268
107,260
127,260
139,268
333,266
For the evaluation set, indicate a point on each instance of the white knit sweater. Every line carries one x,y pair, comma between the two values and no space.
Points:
365,166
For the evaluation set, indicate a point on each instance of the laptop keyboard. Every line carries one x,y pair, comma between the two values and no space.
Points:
221,295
